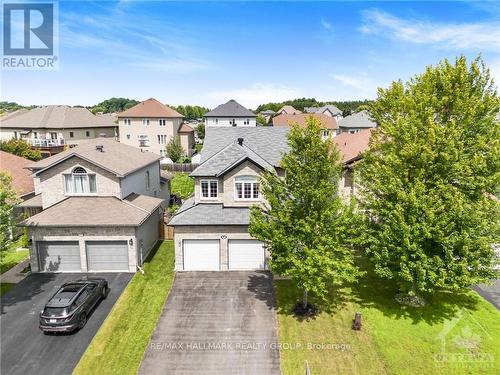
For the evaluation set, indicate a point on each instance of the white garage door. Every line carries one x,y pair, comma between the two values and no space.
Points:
201,255
59,256
246,255
107,255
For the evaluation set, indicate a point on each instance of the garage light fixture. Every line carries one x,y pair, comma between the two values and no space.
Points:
223,237
131,241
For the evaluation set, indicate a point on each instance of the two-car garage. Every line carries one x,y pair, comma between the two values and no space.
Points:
64,256
237,254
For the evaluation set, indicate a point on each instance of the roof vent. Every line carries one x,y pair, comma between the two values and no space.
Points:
99,148
240,141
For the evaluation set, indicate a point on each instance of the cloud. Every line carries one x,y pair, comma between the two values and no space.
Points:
483,36
361,85
256,94
146,43
326,25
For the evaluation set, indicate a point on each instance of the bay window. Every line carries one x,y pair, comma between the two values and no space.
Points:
209,189
247,188
79,182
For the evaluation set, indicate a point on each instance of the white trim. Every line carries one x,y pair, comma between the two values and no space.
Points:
247,179
209,190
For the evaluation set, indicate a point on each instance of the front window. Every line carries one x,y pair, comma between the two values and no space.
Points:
145,121
87,133
148,182
247,188
209,189
163,122
71,134
79,182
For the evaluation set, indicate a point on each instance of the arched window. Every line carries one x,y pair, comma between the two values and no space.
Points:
79,182
246,188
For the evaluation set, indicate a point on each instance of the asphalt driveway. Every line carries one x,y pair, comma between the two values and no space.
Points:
216,323
24,348
490,293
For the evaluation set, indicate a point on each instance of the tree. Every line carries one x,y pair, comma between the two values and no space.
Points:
200,131
304,223
261,120
428,176
191,112
174,149
114,105
8,199
21,148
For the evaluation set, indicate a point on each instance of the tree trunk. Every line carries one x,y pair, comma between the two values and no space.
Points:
304,299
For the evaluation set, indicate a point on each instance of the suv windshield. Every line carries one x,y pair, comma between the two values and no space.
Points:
55,311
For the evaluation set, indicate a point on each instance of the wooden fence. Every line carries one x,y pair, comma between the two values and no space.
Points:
180,167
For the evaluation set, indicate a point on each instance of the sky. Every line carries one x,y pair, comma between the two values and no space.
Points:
205,53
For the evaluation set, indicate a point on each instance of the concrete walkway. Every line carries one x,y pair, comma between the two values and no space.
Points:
216,323
13,276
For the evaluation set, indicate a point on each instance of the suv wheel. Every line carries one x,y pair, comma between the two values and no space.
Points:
82,321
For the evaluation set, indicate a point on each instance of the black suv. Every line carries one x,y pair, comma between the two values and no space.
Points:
68,309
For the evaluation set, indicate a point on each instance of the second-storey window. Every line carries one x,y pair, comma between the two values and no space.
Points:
209,188
163,122
145,121
247,188
79,182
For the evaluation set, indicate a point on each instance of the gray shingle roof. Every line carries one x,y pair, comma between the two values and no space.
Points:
268,142
357,120
96,212
230,109
333,109
228,158
116,157
57,117
210,214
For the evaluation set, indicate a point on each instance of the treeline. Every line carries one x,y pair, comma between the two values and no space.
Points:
113,105
11,107
347,107
191,112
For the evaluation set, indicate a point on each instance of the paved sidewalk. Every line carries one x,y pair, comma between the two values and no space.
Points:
13,276
490,293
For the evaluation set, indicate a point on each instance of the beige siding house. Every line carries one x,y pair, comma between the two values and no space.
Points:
150,125
101,208
56,126
211,228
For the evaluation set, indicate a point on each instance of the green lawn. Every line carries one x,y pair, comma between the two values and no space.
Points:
394,339
10,258
182,185
120,343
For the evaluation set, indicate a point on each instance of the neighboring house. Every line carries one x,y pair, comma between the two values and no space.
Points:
231,113
150,125
51,127
102,208
22,183
211,228
329,124
356,122
351,147
267,114
288,110
328,110
14,165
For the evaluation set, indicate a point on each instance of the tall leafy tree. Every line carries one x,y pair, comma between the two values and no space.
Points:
21,148
429,176
8,199
304,223
174,149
